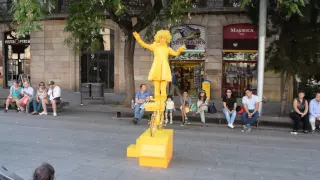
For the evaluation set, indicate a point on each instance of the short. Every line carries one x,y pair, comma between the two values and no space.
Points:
57,101
169,110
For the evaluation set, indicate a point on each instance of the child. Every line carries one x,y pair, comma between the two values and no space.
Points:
169,108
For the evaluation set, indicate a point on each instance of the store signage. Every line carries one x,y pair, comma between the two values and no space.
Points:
240,31
192,36
240,56
191,55
17,41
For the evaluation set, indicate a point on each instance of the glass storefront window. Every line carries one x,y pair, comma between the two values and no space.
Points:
239,75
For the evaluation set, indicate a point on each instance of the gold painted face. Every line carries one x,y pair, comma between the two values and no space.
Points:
163,40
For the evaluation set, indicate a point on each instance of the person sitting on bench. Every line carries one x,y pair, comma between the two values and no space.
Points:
54,94
251,106
141,98
28,93
14,96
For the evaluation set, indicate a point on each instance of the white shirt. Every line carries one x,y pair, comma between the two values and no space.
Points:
54,93
251,103
169,104
28,90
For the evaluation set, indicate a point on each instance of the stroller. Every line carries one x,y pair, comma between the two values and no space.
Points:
7,175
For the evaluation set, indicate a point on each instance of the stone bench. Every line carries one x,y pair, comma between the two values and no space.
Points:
60,106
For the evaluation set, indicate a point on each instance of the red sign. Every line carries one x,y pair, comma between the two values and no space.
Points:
240,31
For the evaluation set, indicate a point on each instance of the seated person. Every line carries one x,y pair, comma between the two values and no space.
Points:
300,113
27,92
229,108
37,102
54,94
141,97
251,106
15,94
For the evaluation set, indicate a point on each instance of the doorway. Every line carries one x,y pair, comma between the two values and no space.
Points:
17,57
191,72
98,67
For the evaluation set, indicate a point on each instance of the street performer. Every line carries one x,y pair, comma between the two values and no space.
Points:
160,72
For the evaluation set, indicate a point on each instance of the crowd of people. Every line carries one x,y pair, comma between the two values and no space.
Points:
250,106
27,99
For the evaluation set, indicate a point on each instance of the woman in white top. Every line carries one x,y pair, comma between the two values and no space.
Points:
54,94
202,105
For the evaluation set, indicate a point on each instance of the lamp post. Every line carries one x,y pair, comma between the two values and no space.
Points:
261,52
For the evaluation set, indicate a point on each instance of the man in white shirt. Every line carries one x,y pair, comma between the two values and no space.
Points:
27,92
54,94
251,106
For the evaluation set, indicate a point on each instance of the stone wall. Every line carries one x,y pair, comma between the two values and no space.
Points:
51,59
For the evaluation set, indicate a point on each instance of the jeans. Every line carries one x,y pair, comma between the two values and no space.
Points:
230,117
37,106
297,119
201,111
138,112
314,123
248,121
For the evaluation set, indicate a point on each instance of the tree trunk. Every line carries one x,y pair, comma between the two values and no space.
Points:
284,98
129,48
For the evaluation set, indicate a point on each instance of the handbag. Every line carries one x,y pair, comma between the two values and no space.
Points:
24,101
212,109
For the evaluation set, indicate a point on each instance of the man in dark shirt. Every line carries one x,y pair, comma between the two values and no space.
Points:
174,84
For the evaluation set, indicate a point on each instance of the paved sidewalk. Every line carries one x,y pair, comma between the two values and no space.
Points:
92,146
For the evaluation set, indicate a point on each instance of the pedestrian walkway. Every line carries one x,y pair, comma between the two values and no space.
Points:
114,101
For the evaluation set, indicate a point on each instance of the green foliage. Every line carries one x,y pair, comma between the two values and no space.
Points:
297,49
26,14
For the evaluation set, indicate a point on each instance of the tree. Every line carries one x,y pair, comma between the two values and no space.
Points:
296,51
85,20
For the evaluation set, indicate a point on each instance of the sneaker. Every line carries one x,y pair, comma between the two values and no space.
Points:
6,110
55,114
230,126
248,129
244,128
305,131
182,124
43,113
317,130
294,132
187,121
171,122
166,121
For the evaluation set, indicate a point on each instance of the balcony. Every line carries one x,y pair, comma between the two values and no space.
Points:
211,6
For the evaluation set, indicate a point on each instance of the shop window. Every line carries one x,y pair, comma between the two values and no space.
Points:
239,71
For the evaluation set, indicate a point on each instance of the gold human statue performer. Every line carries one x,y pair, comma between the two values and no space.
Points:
160,72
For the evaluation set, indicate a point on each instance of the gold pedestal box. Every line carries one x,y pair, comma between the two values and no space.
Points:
153,151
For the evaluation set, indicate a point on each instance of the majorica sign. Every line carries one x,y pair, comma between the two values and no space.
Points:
241,30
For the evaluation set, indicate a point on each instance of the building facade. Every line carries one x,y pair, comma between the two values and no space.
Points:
222,48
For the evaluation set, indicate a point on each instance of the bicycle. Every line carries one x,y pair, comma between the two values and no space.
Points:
156,121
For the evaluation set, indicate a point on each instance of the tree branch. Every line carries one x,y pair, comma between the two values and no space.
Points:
124,21
147,16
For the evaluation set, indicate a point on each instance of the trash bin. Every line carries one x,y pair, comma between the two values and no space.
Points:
206,86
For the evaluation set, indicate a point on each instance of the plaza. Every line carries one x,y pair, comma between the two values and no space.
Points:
92,145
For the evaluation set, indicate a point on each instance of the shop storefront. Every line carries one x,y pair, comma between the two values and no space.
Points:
239,58
16,62
191,63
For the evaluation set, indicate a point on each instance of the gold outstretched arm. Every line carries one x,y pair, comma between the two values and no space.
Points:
141,42
178,52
